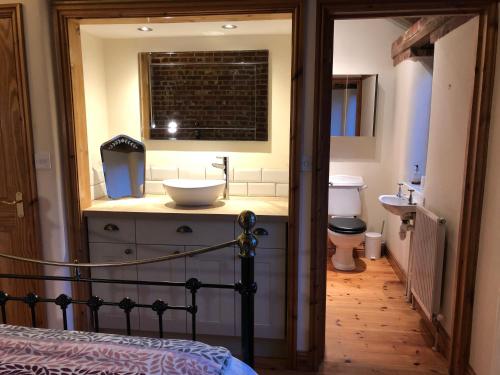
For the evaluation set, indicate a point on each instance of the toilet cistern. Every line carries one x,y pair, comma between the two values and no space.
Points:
225,168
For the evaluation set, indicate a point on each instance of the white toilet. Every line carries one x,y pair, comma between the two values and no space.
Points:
345,230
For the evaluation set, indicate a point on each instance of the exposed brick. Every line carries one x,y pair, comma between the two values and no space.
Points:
208,97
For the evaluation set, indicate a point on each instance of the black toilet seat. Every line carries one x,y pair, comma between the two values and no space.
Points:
346,225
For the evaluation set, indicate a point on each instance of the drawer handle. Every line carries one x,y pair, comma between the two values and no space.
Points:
261,232
111,227
128,251
184,229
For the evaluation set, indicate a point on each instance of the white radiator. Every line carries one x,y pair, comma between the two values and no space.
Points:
426,261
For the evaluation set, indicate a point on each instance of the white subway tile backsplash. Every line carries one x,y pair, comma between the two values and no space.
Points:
282,190
192,173
247,175
154,187
160,174
238,188
148,173
261,189
98,191
275,175
214,174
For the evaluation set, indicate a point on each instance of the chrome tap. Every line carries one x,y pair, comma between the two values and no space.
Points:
225,167
400,190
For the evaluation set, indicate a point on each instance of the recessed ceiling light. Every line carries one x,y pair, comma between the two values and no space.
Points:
229,26
145,28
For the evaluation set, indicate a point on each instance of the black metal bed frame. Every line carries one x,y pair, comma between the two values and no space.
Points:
246,287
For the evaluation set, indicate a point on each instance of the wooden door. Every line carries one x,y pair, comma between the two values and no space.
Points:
174,270
19,223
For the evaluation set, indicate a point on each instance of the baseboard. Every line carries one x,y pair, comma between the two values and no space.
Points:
469,370
400,272
444,340
267,363
305,361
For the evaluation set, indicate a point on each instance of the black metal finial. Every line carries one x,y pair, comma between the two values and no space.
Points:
159,307
127,304
193,284
31,299
247,220
63,301
94,303
4,297
247,240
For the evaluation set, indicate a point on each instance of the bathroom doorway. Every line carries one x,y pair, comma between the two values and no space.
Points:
467,230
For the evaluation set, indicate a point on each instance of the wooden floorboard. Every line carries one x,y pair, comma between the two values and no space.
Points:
370,329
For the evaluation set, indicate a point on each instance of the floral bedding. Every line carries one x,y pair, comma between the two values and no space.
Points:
49,351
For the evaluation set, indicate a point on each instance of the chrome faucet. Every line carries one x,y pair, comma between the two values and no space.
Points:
400,190
225,167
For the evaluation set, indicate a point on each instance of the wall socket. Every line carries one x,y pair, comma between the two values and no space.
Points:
306,163
42,160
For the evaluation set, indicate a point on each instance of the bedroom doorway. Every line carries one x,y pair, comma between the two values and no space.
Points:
19,221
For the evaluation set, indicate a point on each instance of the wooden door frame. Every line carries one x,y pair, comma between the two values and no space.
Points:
14,11
477,148
65,17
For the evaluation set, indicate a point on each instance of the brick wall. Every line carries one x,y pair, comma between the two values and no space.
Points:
218,95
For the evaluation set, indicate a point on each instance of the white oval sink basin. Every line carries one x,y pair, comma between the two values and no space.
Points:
396,205
194,192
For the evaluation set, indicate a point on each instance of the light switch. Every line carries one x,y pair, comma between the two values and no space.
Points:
42,160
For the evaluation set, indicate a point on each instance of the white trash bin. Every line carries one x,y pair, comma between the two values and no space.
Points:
373,245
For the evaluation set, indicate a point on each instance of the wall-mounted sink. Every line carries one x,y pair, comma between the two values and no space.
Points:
397,206
194,192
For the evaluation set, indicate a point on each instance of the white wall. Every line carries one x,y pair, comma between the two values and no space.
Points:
45,136
411,127
452,88
123,101
96,106
485,345
364,47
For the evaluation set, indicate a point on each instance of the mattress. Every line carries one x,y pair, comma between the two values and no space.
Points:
32,351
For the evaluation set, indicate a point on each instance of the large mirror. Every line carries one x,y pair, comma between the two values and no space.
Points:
354,105
213,95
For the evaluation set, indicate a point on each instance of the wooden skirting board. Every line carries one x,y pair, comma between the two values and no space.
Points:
304,361
469,370
400,272
444,340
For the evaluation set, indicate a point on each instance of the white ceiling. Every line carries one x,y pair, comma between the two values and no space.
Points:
161,30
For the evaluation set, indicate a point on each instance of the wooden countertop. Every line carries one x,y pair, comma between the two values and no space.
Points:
269,208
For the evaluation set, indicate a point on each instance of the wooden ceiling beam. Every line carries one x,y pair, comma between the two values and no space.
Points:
418,34
412,53
448,27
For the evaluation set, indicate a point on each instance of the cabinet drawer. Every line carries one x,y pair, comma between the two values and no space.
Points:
111,229
184,232
270,235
